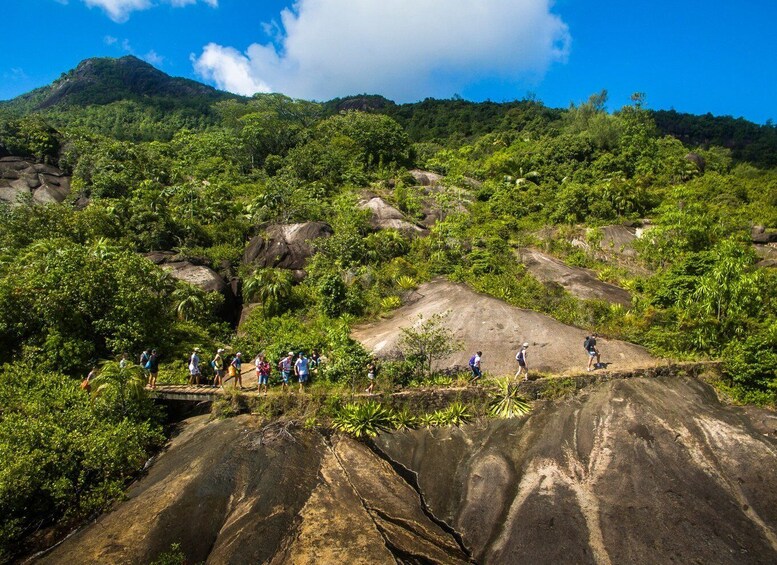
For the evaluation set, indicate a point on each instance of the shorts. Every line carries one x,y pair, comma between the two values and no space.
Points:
592,353
263,379
522,364
303,377
285,376
371,376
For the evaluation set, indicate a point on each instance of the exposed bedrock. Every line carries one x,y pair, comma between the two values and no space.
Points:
627,471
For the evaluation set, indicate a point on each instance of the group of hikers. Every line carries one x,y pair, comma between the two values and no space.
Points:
292,366
589,346
299,367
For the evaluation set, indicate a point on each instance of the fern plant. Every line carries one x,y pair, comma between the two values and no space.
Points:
509,403
366,419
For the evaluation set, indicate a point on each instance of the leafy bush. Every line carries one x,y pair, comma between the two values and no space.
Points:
61,455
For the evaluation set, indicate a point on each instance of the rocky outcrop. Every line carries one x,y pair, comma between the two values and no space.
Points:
426,178
636,471
385,216
20,178
631,471
618,240
579,282
203,277
286,246
497,329
762,235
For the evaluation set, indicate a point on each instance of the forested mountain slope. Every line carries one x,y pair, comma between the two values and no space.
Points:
186,218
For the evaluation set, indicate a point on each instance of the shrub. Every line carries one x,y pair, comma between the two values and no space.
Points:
508,403
366,419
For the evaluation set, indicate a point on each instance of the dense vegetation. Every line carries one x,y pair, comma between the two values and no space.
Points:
201,177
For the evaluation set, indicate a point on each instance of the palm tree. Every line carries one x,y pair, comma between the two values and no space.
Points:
189,303
126,383
272,287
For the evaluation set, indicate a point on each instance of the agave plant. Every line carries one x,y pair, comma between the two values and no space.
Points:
456,414
366,419
428,420
508,403
403,419
406,282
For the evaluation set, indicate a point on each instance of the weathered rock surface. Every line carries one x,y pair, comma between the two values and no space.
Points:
285,246
630,471
579,282
202,277
767,254
497,329
627,471
425,178
762,235
618,240
21,178
385,216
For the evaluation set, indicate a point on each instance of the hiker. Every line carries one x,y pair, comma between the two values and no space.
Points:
144,360
521,358
315,361
218,369
262,372
237,364
474,364
152,366
285,366
86,384
302,370
194,367
124,361
372,372
590,347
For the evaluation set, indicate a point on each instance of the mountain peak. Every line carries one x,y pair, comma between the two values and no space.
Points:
102,80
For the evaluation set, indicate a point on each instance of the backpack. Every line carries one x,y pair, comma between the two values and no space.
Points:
587,343
519,356
472,361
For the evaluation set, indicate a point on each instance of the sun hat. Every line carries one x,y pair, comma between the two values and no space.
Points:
526,344
220,350
291,353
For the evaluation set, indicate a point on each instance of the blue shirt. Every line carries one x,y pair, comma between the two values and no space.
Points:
302,365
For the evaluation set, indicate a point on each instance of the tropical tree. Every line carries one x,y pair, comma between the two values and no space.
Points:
124,384
272,287
428,341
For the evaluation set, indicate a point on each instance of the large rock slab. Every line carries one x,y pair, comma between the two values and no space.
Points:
20,178
202,277
634,470
232,492
579,282
385,216
286,246
497,329
630,471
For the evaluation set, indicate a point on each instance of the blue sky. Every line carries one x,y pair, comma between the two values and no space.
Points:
693,56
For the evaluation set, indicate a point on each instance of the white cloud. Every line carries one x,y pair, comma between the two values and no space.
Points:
403,49
226,66
154,58
110,40
120,10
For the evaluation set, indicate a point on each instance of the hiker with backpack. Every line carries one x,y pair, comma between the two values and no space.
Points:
474,365
194,367
593,353
302,370
285,367
262,372
236,370
152,366
143,361
218,369
521,358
